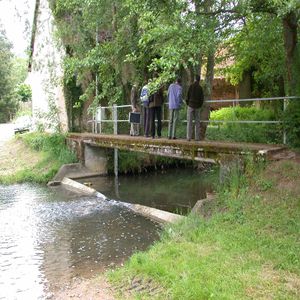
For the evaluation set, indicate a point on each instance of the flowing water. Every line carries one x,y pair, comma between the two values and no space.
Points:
174,190
50,236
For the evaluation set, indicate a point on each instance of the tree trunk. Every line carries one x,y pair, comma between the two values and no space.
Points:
205,111
114,18
290,45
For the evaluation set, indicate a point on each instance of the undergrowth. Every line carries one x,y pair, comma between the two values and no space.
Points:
53,153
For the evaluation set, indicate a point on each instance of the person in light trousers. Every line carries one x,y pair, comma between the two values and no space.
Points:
175,102
194,103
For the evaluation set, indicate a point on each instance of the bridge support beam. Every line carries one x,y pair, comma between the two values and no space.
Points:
95,159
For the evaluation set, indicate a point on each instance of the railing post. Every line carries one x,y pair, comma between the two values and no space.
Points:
94,122
100,119
115,120
284,131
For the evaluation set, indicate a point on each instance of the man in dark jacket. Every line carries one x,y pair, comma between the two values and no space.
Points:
155,104
194,102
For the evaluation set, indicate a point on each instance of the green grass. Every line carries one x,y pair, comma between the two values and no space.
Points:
52,152
248,249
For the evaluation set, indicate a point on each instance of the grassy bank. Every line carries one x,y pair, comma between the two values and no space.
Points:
248,249
33,157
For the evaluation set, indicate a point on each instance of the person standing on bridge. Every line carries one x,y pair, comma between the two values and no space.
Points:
144,97
175,102
155,104
194,103
134,127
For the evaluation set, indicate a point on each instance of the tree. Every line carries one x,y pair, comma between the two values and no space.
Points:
111,44
23,92
8,105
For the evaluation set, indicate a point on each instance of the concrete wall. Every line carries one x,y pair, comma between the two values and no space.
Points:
46,73
95,159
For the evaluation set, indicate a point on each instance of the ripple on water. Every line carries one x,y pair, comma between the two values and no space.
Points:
47,238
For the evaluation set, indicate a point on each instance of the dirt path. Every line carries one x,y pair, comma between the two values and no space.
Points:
85,289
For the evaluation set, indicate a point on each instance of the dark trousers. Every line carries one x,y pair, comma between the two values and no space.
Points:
147,121
155,113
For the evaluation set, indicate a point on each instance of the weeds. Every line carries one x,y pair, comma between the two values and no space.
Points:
52,153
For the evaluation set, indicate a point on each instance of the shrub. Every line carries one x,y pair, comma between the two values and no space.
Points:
54,144
243,132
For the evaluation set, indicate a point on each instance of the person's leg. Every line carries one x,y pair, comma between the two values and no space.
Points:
144,119
131,129
152,121
189,130
171,116
158,115
147,128
175,119
197,124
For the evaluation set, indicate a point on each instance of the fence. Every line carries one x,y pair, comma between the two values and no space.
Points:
102,114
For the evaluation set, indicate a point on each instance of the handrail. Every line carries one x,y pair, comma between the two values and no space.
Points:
97,116
251,99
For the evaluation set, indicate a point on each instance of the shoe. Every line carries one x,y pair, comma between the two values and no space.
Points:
174,138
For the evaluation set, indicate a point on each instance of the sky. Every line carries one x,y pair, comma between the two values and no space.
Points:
16,18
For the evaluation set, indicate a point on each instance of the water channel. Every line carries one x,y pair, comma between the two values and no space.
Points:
49,236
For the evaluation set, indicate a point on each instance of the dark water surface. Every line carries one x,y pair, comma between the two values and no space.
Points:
174,190
48,237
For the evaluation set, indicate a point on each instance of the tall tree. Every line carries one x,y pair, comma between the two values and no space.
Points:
7,104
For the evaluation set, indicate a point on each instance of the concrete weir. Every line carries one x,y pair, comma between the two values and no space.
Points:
148,212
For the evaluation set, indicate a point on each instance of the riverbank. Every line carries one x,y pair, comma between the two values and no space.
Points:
248,249
33,157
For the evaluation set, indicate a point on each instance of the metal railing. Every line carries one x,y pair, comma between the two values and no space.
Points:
100,115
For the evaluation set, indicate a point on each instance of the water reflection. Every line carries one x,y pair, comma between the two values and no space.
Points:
171,190
48,237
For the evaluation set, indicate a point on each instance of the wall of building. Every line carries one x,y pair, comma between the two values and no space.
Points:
45,77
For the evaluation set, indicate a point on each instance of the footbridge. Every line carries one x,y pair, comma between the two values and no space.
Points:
90,148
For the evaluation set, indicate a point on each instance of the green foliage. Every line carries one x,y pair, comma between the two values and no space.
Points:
8,105
237,113
19,70
260,54
52,153
24,92
112,44
255,133
292,123
54,144
134,40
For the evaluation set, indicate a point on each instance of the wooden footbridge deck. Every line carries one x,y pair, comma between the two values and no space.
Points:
203,151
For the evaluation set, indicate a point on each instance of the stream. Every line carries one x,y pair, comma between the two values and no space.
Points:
48,237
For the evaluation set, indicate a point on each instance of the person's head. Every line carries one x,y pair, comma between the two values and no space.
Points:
178,80
197,77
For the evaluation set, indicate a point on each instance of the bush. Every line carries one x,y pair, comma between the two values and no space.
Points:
54,144
241,132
